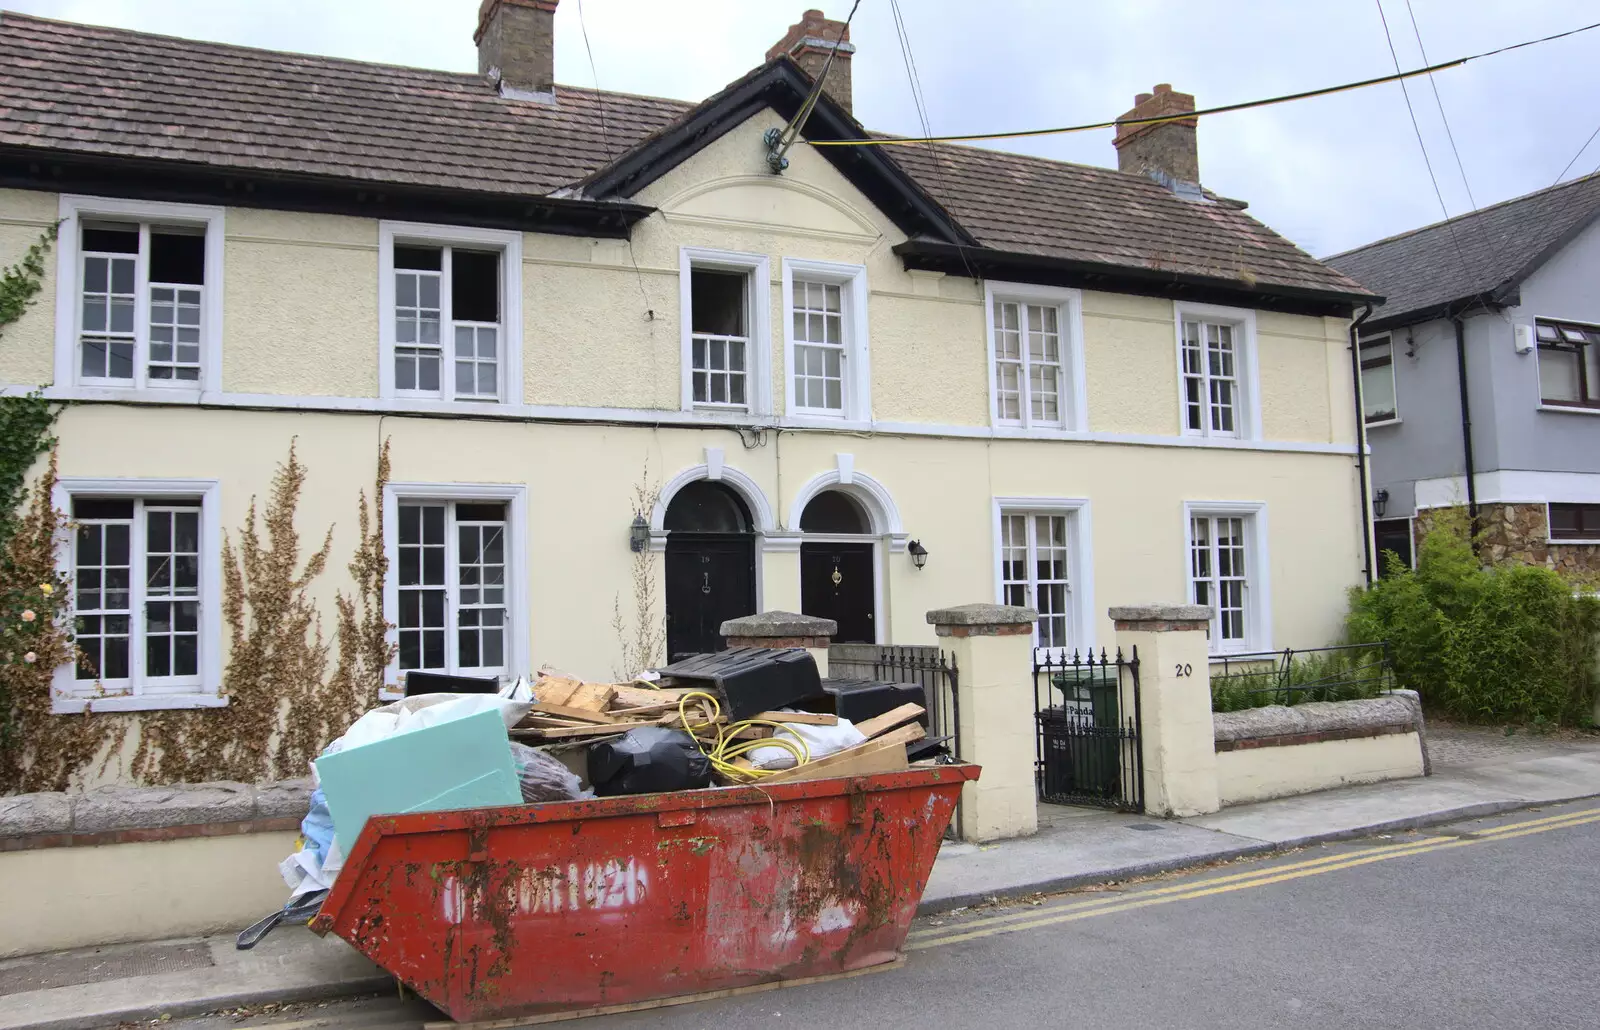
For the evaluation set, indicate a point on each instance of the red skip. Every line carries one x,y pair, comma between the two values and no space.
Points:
519,911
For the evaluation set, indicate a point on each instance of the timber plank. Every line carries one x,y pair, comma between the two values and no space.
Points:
889,720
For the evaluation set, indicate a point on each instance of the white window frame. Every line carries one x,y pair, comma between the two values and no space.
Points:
1081,621
518,617
1258,572
419,234
70,695
1247,406
856,370
1074,402
73,211
1385,339
757,269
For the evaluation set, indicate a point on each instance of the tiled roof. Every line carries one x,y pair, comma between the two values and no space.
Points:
1473,254
118,93
131,94
1056,209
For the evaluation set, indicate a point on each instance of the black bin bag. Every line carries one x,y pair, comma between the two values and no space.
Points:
648,760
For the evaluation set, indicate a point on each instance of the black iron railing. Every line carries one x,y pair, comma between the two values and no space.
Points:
1289,677
1087,747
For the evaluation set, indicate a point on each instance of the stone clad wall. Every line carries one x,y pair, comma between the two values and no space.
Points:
1521,532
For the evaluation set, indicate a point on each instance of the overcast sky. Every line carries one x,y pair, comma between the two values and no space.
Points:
1330,173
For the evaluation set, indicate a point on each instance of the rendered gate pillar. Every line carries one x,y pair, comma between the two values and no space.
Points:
783,629
1180,754
992,645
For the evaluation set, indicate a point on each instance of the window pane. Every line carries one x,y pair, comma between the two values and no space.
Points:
177,257
1591,357
1558,375
1377,392
717,302
475,285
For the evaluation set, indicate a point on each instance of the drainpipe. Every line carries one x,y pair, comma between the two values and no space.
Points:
1361,441
1466,429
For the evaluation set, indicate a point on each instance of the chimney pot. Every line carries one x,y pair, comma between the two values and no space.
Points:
516,41
809,41
1165,151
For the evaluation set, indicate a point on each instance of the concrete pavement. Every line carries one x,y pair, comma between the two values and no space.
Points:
1472,777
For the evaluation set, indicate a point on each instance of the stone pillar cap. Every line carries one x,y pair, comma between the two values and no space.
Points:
1161,613
779,624
982,615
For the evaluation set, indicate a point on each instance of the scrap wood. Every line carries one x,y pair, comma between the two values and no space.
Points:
555,690
592,696
803,718
879,724
567,732
857,760
642,697
569,712
884,758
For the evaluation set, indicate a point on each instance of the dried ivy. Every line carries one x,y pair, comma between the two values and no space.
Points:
365,648
39,750
277,658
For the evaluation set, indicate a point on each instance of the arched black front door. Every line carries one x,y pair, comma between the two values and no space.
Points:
838,575
711,567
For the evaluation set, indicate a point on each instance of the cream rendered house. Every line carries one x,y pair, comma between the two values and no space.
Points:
1070,387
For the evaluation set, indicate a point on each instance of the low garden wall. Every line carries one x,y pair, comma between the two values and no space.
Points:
1279,751
142,863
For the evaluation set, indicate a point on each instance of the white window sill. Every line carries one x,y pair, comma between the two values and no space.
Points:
1569,409
154,394
1557,543
61,705
1385,422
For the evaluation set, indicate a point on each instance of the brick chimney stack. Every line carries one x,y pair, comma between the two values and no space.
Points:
809,42
1165,151
516,44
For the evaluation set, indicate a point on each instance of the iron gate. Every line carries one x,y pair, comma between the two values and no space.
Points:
928,667
1087,748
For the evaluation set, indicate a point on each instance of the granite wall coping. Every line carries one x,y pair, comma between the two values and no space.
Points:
1395,711
110,810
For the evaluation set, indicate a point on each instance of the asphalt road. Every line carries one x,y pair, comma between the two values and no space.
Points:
1486,923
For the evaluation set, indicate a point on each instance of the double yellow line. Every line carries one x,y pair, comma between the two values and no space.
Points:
1034,918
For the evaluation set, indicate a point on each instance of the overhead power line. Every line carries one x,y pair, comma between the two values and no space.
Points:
1427,161
1224,109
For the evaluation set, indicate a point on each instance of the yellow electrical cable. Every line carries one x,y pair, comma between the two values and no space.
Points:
726,748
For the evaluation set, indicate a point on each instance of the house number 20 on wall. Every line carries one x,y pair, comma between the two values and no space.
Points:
1183,669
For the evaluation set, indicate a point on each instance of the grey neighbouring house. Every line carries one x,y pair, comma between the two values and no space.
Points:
1480,376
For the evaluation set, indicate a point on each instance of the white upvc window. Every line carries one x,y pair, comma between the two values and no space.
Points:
1378,399
140,298
1217,371
1036,377
1227,569
451,313
456,593
725,301
825,340
144,561
1042,563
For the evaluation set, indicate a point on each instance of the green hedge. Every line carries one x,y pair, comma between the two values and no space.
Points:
1501,644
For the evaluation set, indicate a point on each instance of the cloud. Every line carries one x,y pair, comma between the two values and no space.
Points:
1329,173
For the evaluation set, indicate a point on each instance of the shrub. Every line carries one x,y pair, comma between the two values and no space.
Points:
1298,677
1504,644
